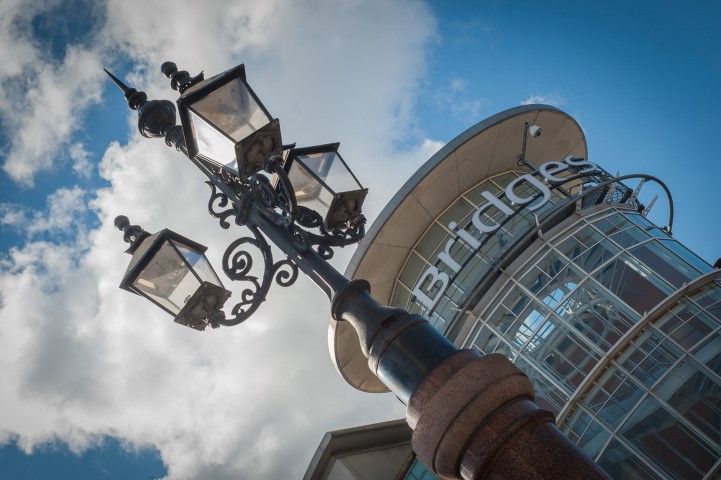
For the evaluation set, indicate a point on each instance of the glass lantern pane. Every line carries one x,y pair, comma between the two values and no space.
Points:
167,280
199,263
212,143
329,167
309,192
232,109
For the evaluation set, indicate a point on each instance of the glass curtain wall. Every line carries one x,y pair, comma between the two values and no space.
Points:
634,376
653,409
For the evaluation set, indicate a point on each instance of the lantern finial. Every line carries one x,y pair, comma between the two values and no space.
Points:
132,234
180,80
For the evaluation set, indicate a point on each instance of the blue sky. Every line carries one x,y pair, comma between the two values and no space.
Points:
95,380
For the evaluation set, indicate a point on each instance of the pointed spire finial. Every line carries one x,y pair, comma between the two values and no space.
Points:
117,81
135,98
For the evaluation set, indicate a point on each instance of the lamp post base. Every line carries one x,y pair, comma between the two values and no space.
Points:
474,418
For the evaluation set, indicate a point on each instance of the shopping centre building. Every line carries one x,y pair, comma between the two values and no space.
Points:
532,250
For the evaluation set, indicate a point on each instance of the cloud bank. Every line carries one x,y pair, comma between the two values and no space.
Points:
80,358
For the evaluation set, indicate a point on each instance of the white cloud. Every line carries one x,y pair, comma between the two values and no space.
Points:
82,165
79,357
454,98
42,112
65,212
13,215
17,52
553,99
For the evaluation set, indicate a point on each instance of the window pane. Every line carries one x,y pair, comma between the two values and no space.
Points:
558,288
695,395
474,196
613,224
412,270
487,341
509,310
561,352
309,192
709,297
630,237
621,464
664,263
649,356
612,396
330,168
433,242
517,224
549,396
709,353
634,283
686,324
519,317
472,271
232,109
211,143
589,249
458,212
585,432
655,432
639,220
401,296
593,313
687,255
504,179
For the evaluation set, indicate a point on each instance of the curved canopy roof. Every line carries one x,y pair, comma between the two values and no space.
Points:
486,149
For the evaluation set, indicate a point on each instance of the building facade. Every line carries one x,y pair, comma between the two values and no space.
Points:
380,451
531,250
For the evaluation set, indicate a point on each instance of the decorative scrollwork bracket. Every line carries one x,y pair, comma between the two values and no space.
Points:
277,204
238,263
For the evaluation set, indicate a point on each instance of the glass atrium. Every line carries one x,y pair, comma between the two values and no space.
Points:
616,323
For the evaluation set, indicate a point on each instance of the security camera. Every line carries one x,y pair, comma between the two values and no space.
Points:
534,130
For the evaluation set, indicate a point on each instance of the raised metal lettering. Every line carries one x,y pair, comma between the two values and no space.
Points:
580,163
492,201
472,241
549,169
436,276
535,183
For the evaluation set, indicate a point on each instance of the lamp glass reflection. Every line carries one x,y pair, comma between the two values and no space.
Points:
223,117
331,169
168,279
309,190
317,177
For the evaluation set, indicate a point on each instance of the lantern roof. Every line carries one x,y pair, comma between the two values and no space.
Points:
198,90
326,147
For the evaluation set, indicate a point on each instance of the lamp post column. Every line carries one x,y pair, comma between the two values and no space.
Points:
472,416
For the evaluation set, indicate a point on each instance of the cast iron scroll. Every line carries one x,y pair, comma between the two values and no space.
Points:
238,266
277,204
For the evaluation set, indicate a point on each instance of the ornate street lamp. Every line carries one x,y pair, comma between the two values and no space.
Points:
323,182
473,416
172,272
224,121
